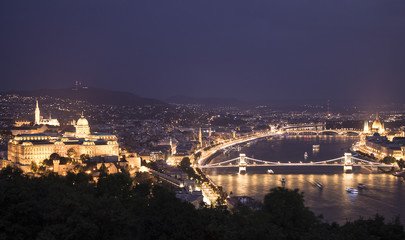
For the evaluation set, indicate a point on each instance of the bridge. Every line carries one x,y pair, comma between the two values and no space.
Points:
317,129
347,162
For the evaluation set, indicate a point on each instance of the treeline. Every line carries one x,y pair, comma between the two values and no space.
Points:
120,207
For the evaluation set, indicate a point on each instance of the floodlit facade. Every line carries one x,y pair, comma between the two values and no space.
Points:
39,120
376,127
27,148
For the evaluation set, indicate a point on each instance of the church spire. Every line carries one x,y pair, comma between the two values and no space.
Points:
200,137
37,114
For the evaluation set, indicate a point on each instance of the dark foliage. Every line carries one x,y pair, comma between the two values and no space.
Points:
120,207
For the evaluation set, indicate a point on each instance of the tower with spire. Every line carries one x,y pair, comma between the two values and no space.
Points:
366,128
37,115
200,137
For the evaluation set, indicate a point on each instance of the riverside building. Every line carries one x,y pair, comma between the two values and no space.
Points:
27,148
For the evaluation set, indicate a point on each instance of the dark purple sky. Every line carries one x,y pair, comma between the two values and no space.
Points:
247,49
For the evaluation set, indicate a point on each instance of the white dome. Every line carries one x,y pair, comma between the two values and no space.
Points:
82,122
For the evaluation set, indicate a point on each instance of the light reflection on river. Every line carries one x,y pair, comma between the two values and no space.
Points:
383,195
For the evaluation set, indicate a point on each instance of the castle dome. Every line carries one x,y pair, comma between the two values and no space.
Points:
82,122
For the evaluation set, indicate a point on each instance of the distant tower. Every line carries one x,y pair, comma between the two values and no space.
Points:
37,114
381,130
366,128
328,108
210,132
200,137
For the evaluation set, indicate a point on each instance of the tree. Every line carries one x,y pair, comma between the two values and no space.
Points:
185,164
388,160
285,208
34,166
103,170
54,156
401,164
84,158
197,156
71,153
47,162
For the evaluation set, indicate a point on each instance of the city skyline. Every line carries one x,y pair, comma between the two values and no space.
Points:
249,51
202,119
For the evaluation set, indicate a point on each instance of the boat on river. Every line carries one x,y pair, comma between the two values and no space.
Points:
270,171
361,186
318,185
352,190
399,174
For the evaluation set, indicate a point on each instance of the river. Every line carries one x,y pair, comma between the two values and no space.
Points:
383,193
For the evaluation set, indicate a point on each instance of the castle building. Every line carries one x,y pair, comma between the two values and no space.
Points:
27,148
82,128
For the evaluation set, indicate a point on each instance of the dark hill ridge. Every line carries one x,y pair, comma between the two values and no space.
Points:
93,96
207,101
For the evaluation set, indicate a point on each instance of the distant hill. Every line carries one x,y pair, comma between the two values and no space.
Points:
207,101
93,96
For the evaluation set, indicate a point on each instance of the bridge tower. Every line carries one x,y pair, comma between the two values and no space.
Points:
242,163
348,167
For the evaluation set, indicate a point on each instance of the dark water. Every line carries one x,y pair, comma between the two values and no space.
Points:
383,195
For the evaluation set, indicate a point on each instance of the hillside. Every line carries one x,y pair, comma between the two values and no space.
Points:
93,95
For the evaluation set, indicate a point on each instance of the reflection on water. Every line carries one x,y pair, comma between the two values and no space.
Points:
383,195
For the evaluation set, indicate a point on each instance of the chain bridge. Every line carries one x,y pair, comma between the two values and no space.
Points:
347,162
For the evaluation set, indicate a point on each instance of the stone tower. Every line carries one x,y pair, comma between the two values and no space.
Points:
37,114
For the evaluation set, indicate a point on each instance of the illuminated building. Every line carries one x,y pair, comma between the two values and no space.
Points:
376,127
200,138
27,148
39,120
366,128
82,128
37,115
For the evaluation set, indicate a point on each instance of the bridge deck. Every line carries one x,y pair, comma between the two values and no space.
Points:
296,165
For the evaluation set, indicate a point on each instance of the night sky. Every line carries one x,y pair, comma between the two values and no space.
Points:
281,49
